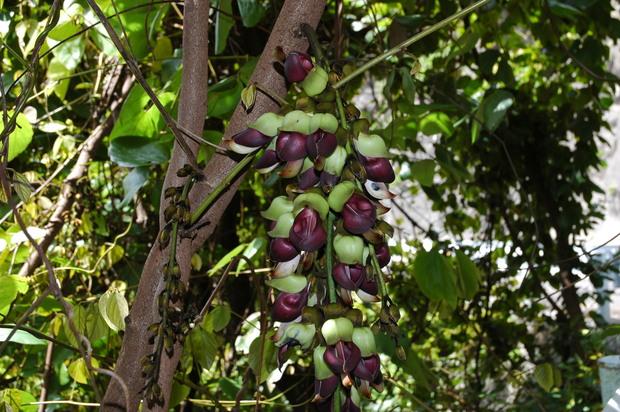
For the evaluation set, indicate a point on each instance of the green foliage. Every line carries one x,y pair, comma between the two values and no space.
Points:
492,123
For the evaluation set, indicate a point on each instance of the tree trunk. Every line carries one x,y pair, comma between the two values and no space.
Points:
192,112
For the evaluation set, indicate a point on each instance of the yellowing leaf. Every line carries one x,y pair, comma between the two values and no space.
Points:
79,371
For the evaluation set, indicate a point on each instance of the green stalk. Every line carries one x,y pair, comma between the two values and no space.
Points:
329,257
379,273
408,43
317,50
221,187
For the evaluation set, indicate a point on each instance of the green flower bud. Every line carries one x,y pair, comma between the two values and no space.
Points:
349,249
288,284
296,121
324,121
268,124
315,201
340,194
321,369
371,145
300,332
365,340
337,329
335,162
315,81
283,225
279,206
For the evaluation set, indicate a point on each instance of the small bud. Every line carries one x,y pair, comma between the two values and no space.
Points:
337,329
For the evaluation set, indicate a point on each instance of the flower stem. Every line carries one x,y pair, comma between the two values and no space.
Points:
329,257
271,93
379,273
220,188
317,50
408,43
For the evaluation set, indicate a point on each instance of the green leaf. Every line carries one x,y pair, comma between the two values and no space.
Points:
114,309
133,182
468,276
20,336
245,72
464,44
178,393
412,21
22,186
20,138
435,123
223,97
544,376
248,96
251,11
204,346
79,371
10,286
217,319
408,85
88,322
223,23
423,171
135,151
12,398
58,72
495,107
435,277
562,9
227,258
251,250
268,358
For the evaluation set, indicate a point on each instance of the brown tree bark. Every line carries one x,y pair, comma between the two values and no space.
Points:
192,112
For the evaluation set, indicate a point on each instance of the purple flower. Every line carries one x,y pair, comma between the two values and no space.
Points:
378,169
282,250
359,214
370,286
307,232
383,254
324,388
291,146
267,162
309,179
321,143
349,277
342,357
368,368
248,141
297,66
288,306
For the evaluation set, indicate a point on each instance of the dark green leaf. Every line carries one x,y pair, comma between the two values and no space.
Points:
251,11
435,277
178,393
449,164
423,171
411,22
562,9
468,276
134,151
495,107
268,358
134,182
245,72
223,23
224,97
408,85
204,346
216,319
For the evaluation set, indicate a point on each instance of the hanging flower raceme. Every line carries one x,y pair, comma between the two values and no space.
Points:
336,173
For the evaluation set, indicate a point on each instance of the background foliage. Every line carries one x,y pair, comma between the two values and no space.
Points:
496,131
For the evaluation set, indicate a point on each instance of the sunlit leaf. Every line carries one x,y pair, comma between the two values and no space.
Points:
78,369
20,336
543,375
22,186
114,309
495,107
20,138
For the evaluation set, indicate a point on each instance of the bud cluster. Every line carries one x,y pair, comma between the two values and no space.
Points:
328,241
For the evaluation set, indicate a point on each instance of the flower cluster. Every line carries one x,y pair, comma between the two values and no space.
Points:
328,241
